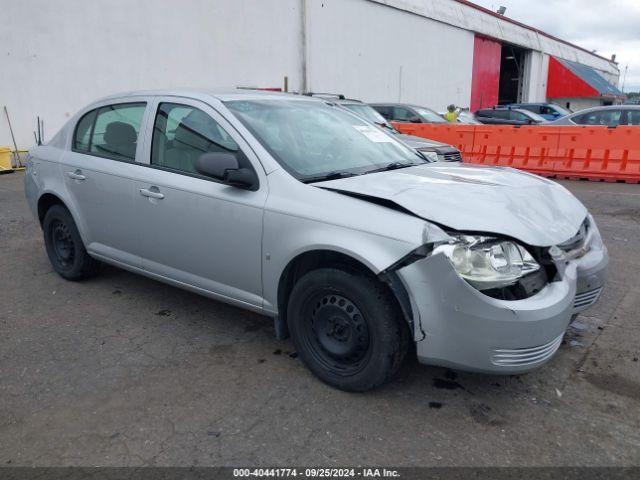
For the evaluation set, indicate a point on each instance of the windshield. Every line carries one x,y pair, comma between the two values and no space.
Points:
561,110
368,113
315,139
429,116
468,117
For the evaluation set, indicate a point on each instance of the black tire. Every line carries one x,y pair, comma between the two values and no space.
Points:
347,328
64,246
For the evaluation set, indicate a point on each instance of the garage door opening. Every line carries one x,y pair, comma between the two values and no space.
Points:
512,60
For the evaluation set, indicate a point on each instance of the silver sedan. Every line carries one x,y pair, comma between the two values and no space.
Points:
610,116
295,208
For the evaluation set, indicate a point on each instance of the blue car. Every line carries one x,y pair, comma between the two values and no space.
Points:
549,111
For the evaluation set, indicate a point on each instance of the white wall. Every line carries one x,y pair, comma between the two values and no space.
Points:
376,53
576,104
536,72
469,18
57,56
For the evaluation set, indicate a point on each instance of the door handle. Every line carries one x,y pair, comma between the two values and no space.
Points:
77,175
151,194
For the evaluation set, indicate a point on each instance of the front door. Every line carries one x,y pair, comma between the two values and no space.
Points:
195,230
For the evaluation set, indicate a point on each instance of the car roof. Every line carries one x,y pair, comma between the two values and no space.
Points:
409,105
503,108
203,94
608,107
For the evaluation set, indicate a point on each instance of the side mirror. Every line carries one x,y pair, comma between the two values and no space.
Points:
224,166
415,120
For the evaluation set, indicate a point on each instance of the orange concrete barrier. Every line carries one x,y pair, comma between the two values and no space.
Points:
591,153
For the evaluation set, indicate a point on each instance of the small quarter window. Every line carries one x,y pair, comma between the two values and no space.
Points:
83,132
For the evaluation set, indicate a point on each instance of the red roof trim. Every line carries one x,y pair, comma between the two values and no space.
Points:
528,27
563,83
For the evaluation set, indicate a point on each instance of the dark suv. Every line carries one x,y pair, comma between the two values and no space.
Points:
508,116
548,111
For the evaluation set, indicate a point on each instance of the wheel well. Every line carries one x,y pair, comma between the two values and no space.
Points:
45,202
313,260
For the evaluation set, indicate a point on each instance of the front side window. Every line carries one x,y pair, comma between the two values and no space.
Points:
518,116
115,131
312,139
402,114
181,134
604,118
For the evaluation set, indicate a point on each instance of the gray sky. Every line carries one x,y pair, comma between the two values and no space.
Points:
608,26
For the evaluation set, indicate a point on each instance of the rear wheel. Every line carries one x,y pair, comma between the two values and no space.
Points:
64,246
347,328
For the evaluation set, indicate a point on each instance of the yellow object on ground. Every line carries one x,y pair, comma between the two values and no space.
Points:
5,159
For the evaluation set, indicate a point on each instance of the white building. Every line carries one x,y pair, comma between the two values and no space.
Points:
58,56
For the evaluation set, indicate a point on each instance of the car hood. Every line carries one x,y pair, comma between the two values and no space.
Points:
471,198
419,142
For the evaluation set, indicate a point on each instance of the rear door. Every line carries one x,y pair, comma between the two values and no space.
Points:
194,229
98,170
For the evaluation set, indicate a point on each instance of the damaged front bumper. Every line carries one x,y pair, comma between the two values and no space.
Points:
457,326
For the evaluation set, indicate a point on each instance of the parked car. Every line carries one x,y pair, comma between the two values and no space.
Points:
548,111
291,207
403,112
433,150
610,116
508,116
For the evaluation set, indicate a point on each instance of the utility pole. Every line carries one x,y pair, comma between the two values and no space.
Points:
304,46
624,79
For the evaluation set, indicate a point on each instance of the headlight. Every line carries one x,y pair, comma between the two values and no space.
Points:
429,155
488,262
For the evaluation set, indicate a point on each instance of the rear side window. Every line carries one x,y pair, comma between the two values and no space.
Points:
182,133
116,129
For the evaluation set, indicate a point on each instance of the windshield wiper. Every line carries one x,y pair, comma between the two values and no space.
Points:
328,176
388,127
392,166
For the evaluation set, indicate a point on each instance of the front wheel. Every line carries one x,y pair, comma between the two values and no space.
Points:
347,328
64,246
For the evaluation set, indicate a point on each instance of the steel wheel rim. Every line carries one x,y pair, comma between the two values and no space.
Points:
63,245
336,333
